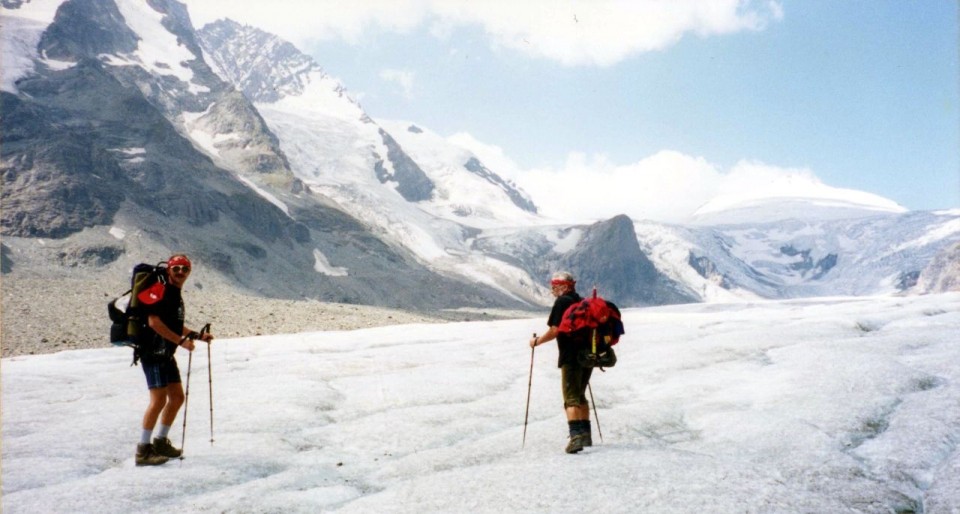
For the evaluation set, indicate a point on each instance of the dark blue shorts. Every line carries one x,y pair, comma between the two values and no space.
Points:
161,374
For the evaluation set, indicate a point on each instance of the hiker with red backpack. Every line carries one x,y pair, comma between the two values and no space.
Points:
574,378
163,330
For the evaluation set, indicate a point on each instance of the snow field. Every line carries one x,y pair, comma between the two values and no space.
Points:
826,405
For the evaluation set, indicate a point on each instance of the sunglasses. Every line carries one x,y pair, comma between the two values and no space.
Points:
180,269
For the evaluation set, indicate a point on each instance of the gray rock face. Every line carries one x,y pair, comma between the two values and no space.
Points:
412,183
519,199
943,273
605,254
60,169
708,270
252,149
85,28
265,67
806,265
609,257
6,263
83,143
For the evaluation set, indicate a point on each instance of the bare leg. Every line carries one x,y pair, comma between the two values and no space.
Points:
174,400
158,398
583,412
578,412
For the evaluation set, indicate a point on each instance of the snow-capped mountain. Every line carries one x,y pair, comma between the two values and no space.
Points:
795,237
802,256
466,191
337,148
130,146
798,195
297,98
411,186
126,134
798,237
416,188
120,144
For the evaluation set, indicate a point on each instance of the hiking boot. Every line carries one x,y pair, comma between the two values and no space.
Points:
164,447
147,456
587,439
575,444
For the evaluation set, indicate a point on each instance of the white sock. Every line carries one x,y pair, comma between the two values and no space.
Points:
164,430
145,435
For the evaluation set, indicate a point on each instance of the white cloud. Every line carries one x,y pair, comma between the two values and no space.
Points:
749,180
303,20
672,187
402,78
574,33
602,33
667,186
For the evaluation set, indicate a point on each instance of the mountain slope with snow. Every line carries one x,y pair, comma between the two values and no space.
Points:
788,237
466,191
754,195
803,256
430,202
132,133
232,145
338,149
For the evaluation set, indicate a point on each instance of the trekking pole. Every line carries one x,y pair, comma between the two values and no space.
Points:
186,401
206,330
529,387
600,432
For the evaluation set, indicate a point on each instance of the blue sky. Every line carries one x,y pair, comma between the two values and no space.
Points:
861,95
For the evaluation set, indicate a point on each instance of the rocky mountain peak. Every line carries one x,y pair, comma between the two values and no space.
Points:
609,249
87,29
265,67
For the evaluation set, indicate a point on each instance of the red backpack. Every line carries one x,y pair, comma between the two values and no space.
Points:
598,322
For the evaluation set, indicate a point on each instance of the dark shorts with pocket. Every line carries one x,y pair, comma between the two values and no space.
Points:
161,374
575,379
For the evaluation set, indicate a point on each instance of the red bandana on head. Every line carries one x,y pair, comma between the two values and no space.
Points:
178,260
